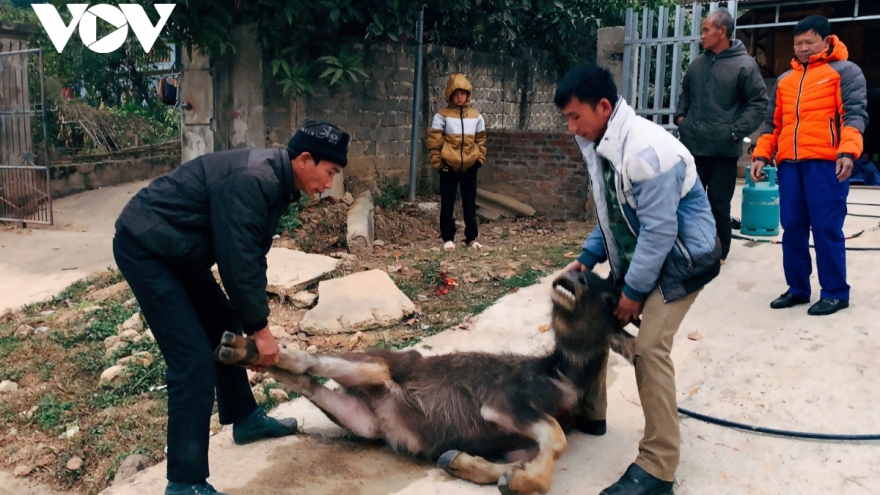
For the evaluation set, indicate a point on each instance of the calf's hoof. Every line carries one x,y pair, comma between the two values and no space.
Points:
504,485
445,460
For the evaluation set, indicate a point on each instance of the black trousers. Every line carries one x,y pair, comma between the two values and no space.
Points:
187,313
718,175
449,184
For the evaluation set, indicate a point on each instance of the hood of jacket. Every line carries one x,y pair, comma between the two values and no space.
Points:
458,81
836,51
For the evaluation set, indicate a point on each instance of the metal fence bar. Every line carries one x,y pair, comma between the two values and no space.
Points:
25,189
660,64
628,55
676,58
644,53
696,22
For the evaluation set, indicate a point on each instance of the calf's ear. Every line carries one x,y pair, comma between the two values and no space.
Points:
624,344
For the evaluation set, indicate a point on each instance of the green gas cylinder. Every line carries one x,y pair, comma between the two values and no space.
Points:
760,204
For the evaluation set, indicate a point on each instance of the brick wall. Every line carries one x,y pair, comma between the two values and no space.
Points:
513,93
544,170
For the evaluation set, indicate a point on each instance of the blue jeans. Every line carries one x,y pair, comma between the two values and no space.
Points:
811,197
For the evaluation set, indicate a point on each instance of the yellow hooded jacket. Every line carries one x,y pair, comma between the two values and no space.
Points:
457,136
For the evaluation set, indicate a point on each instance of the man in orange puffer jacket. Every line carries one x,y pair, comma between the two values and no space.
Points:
814,125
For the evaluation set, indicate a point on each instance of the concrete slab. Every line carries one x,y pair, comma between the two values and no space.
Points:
360,301
289,271
38,262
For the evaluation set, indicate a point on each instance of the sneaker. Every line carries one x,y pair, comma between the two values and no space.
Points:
475,245
258,426
190,489
449,246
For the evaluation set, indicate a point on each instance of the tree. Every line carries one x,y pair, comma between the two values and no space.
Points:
296,33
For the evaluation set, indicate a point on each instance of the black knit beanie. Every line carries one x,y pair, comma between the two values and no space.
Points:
323,140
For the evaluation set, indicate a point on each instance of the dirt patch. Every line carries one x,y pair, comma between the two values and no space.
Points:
319,466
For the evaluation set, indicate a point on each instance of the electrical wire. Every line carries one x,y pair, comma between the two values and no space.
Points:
773,431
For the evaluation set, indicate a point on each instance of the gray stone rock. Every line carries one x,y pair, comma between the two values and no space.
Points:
360,227
24,331
74,463
130,466
112,341
259,394
278,395
143,358
112,349
303,299
8,387
290,271
134,323
107,292
41,332
113,376
347,198
360,301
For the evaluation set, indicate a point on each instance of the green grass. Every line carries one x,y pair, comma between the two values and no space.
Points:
51,413
527,278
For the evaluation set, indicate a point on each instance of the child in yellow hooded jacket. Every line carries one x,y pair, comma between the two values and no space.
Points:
457,147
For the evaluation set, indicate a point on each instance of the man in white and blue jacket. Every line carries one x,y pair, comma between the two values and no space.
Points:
656,230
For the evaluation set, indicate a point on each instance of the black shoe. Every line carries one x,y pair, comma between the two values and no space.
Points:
596,427
190,489
827,307
258,426
788,300
635,481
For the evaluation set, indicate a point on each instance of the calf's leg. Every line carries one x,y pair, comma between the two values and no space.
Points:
346,410
537,474
534,475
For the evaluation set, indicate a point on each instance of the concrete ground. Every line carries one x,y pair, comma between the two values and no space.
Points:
774,368
39,261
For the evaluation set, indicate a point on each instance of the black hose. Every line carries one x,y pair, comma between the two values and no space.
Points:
863,204
774,431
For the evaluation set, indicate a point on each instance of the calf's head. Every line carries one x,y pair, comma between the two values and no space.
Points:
583,316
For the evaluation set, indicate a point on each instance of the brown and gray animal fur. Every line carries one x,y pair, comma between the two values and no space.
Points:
468,410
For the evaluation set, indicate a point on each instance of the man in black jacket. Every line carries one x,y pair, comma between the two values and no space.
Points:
723,99
219,208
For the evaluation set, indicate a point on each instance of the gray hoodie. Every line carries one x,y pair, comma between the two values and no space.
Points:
723,99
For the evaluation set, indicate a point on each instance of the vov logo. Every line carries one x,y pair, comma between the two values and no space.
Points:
86,17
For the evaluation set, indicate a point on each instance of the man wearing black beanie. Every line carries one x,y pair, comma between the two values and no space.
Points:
219,208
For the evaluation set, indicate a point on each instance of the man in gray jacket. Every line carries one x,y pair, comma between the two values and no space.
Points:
723,99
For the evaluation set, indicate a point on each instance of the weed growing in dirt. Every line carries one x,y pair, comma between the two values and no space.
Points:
291,221
51,411
391,191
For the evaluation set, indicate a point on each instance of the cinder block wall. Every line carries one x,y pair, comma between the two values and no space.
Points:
542,169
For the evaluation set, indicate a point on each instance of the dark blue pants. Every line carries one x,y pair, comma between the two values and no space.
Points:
811,197
187,313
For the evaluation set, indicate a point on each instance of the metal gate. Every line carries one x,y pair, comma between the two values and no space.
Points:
25,195
658,47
